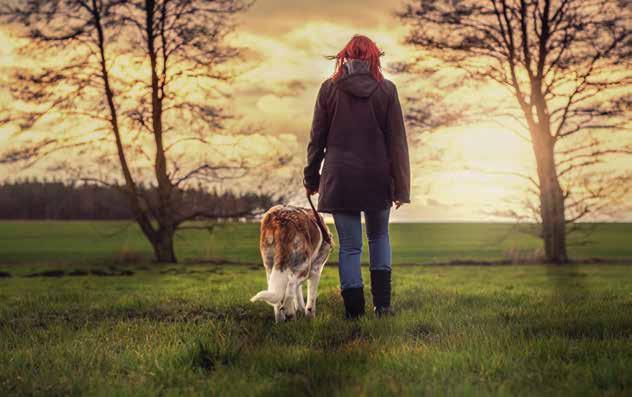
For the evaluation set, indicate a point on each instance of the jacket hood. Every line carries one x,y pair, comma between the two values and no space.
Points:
357,79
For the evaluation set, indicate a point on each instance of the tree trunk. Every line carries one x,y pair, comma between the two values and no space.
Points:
551,202
163,247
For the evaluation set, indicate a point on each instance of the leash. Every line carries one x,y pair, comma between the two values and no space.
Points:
319,222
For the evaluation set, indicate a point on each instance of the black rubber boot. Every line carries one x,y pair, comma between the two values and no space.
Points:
381,291
354,302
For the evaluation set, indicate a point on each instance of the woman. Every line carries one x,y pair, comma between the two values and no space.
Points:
358,130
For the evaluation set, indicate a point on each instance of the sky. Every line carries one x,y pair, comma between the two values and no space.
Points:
471,182
294,36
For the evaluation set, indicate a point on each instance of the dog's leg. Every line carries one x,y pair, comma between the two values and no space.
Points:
312,288
268,276
277,287
279,315
266,249
300,301
267,255
313,279
299,266
289,302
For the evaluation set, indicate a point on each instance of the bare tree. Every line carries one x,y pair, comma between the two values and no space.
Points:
141,75
567,65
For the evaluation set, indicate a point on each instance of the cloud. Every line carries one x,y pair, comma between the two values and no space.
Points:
285,45
431,202
273,17
275,106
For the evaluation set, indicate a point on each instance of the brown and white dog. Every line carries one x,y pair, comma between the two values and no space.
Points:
293,249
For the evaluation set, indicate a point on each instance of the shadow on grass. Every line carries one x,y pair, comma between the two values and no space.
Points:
569,284
580,329
305,357
575,312
207,356
316,372
76,318
566,309
337,335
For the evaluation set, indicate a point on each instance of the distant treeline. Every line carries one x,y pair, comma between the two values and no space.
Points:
35,199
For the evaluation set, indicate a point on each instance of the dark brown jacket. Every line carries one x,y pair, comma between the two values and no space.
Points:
358,129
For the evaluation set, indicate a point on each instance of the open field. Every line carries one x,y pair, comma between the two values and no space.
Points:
107,242
85,312
190,330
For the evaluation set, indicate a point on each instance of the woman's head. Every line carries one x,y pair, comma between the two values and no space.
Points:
359,47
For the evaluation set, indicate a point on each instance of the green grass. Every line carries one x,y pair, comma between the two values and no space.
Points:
190,330
107,242
122,325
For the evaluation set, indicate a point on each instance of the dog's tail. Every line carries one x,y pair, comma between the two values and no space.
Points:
276,288
279,235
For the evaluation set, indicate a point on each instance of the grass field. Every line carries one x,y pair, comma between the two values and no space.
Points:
86,313
190,330
108,242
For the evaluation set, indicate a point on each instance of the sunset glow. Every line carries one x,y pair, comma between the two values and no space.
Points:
285,45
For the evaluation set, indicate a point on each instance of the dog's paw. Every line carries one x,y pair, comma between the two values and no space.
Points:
310,312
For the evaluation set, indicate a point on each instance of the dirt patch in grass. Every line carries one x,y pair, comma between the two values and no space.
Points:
180,271
47,273
111,272
424,333
78,273
207,357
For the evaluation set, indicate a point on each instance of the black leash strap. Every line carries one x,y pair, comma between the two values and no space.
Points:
319,222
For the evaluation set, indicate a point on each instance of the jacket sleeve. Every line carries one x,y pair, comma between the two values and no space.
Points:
398,149
317,140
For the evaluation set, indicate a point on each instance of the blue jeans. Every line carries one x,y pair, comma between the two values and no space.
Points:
349,227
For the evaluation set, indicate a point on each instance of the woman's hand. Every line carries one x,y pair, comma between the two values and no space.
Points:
309,191
398,204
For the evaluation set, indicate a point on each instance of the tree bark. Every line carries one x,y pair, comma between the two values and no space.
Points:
551,201
140,213
163,246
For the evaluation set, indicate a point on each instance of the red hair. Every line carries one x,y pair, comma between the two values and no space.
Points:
359,47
